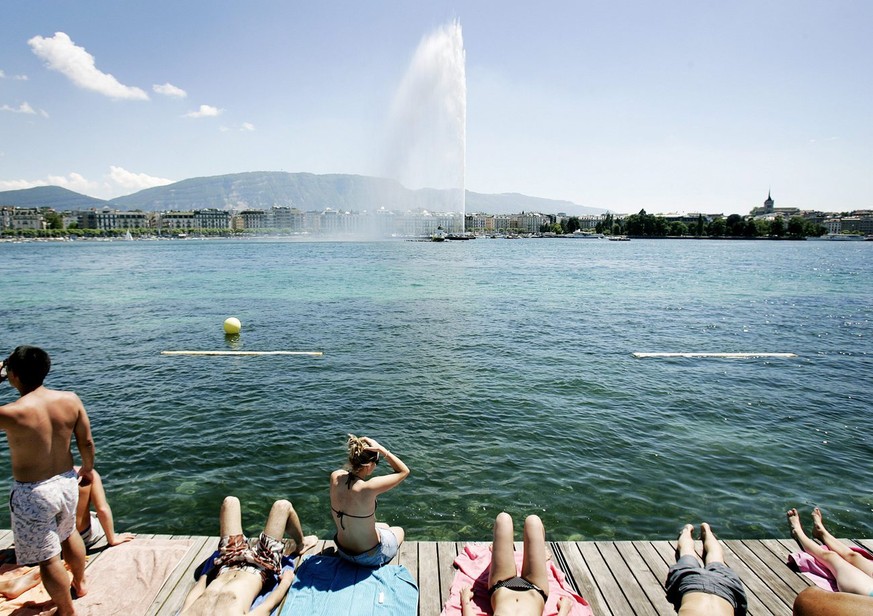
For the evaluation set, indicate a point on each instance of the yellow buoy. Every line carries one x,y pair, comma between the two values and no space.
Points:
232,325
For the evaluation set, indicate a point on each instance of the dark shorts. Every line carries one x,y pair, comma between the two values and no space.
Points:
687,575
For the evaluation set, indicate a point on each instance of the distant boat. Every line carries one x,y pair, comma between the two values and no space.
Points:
587,235
439,235
619,238
128,236
839,237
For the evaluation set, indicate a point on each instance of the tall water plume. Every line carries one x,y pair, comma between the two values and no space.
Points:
427,135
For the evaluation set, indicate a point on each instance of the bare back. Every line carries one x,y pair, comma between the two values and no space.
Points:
354,511
39,427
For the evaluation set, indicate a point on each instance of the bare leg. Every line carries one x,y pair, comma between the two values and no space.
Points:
849,579
398,532
57,582
834,544
230,517
685,542
283,519
817,602
83,514
712,552
502,551
533,566
73,551
104,512
19,585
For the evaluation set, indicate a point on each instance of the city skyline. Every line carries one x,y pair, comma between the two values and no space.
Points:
669,108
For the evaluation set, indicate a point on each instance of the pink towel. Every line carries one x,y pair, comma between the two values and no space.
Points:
123,580
815,571
473,564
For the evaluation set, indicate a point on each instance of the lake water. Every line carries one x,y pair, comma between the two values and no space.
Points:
500,371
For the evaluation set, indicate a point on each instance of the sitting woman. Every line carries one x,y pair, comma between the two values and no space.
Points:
359,538
511,593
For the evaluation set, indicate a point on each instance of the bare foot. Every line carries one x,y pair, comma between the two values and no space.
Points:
17,586
705,531
794,522
818,529
81,589
309,542
121,538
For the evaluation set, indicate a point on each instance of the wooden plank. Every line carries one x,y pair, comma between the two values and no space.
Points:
607,584
761,599
648,580
172,594
446,553
653,559
429,600
776,559
578,570
764,572
624,577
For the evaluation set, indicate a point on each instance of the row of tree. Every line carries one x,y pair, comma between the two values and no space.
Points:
650,225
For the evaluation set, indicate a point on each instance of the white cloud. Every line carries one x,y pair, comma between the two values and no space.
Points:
72,181
3,75
245,127
205,111
62,55
22,108
169,89
135,181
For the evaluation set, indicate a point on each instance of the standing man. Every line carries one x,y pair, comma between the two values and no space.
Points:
39,427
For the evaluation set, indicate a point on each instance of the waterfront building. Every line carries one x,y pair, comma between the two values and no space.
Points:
283,217
253,219
859,223
112,220
211,218
20,218
175,221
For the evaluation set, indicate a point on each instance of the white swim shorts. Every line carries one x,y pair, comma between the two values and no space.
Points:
43,515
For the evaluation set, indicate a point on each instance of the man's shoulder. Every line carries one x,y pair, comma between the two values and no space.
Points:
60,396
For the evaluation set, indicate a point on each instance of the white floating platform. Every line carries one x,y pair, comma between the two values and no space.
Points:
311,353
727,355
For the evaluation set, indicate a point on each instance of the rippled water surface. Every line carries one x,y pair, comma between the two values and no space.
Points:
500,371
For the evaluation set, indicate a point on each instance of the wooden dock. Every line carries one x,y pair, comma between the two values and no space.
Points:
617,578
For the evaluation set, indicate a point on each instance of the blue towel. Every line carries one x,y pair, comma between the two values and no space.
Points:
331,586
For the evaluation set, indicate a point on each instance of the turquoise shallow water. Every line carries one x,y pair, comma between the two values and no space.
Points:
500,371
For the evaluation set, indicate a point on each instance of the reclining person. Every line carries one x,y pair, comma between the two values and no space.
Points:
240,572
853,572
525,594
711,589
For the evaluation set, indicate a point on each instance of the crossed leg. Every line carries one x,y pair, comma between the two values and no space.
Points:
849,578
835,545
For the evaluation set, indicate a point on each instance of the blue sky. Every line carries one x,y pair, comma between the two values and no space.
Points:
668,106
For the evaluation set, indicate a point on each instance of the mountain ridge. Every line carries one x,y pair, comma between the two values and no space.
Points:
305,191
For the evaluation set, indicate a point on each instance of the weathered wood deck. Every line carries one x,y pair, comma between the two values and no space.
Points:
617,578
